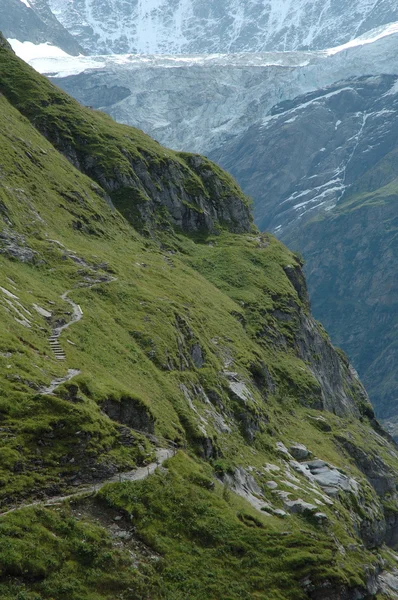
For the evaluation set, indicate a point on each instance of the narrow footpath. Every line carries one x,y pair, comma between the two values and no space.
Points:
136,475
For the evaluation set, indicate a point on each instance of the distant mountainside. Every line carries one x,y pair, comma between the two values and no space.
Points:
34,22
225,26
311,151
200,102
323,172
351,266
173,421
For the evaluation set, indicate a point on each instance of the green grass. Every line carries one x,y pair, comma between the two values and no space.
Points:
215,545
50,555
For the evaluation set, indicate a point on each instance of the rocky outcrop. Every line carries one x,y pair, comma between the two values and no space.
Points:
333,384
159,195
153,187
14,246
130,412
372,466
34,22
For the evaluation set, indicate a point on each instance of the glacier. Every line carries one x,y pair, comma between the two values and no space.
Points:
198,102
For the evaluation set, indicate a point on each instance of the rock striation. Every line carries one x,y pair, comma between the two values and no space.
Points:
193,26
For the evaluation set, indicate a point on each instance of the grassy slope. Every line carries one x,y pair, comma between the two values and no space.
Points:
128,335
127,346
82,134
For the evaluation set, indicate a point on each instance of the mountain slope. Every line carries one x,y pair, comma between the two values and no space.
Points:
200,337
190,26
322,170
28,22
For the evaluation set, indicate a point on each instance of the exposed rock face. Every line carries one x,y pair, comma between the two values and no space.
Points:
34,22
333,375
379,475
130,412
195,26
167,190
330,479
190,204
299,451
335,151
14,245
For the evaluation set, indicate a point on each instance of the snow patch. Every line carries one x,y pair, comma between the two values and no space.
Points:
368,38
29,51
48,59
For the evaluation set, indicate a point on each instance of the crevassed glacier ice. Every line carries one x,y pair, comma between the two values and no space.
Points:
198,102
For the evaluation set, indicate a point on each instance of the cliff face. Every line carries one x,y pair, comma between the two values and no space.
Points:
323,173
177,331
193,27
34,22
145,181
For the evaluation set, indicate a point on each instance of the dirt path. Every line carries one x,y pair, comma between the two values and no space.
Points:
138,474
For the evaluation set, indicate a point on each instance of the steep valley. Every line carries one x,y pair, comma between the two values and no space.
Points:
301,132
334,199
191,332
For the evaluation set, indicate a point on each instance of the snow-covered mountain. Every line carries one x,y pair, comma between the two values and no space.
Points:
29,21
225,26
